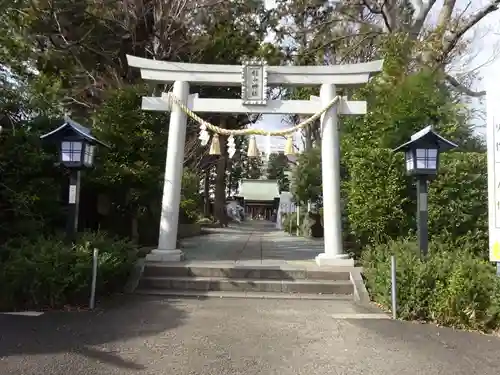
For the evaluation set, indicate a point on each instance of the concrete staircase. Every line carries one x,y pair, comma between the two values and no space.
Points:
216,280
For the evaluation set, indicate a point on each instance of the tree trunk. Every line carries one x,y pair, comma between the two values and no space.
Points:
316,134
134,235
206,192
308,138
229,168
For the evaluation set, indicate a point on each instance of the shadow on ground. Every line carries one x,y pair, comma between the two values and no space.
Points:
437,342
123,318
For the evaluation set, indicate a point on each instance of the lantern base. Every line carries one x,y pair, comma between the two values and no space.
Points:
342,260
159,255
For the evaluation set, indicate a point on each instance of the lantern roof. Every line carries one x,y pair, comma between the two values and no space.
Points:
71,128
426,138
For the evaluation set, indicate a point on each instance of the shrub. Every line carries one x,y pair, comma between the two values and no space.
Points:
452,287
45,272
188,211
205,221
289,223
190,198
378,203
381,200
458,202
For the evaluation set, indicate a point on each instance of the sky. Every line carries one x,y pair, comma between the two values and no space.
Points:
485,48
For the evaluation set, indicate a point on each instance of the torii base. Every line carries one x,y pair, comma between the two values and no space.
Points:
328,260
158,255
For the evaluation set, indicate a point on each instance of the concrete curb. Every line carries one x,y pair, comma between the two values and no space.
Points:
135,276
361,295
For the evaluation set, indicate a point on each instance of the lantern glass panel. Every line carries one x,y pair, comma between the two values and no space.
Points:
88,156
427,158
410,164
71,151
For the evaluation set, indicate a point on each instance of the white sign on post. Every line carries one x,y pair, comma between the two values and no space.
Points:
493,144
72,194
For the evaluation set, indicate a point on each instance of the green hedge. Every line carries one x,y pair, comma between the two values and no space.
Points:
48,273
453,287
381,199
458,202
378,199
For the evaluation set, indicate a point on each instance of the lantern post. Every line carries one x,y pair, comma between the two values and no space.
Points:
422,162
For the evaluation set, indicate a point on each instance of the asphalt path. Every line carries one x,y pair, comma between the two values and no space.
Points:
152,335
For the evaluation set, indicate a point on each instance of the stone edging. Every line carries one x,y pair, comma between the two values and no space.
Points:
361,295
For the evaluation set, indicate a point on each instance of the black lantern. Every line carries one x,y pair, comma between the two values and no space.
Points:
77,145
77,150
422,152
422,160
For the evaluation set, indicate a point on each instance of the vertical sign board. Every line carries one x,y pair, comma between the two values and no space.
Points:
493,144
254,82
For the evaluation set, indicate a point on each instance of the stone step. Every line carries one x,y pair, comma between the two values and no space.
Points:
239,272
340,287
253,295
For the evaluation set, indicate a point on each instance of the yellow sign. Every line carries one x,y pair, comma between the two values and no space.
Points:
495,252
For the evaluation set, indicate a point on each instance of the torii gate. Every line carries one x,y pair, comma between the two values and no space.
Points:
254,77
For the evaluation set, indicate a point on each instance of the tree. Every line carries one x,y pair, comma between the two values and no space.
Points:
130,173
30,187
353,31
306,177
401,105
278,165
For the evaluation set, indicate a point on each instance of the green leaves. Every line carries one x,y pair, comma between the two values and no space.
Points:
458,202
278,165
378,202
30,185
452,287
306,177
402,103
45,272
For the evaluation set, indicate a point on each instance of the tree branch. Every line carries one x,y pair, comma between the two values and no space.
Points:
461,88
455,37
421,12
379,10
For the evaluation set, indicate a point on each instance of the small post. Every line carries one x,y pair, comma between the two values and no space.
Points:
95,260
422,216
498,269
73,204
393,287
297,232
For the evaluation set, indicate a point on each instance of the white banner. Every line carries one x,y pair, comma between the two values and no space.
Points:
493,144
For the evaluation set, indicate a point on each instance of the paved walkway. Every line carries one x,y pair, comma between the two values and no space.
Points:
249,243
155,336
139,335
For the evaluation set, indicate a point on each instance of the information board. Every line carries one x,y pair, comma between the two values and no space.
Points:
493,144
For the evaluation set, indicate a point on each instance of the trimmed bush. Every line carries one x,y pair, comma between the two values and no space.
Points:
458,202
379,205
453,287
381,200
45,272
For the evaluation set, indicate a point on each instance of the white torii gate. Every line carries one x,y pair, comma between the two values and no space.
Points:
254,77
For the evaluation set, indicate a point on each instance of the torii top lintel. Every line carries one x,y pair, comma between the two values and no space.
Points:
231,75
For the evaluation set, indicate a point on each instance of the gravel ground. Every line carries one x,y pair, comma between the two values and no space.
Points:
151,335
